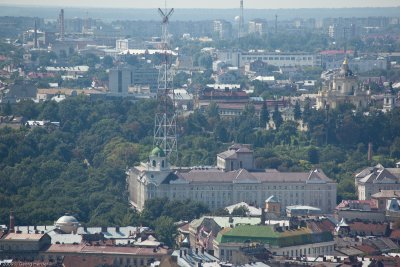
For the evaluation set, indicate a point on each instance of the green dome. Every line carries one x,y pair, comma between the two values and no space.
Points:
157,151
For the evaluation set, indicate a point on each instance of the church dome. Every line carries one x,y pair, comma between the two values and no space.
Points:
345,70
158,152
67,224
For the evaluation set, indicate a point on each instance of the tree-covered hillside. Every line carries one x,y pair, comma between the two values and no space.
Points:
80,167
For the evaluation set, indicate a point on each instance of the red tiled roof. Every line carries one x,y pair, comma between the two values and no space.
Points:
367,249
368,228
104,250
395,234
86,261
184,228
25,237
347,203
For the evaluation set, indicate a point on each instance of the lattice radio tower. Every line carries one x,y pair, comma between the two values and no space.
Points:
165,119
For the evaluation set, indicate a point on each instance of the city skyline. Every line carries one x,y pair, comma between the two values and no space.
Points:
250,4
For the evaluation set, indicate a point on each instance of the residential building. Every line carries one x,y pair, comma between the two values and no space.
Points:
19,245
73,245
258,26
372,180
384,196
223,29
228,183
359,209
204,230
303,241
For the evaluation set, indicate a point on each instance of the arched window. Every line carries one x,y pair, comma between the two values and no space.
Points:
153,163
162,164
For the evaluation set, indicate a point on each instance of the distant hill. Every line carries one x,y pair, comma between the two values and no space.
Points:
196,14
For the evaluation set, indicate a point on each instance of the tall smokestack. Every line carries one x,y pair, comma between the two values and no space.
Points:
35,45
241,20
276,24
61,22
370,151
12,222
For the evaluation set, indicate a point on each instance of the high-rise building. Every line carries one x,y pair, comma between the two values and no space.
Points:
258,26
120,78
223,29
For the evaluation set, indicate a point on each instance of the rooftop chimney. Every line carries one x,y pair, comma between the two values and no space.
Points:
12,222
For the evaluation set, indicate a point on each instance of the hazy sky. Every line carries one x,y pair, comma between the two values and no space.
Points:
259,4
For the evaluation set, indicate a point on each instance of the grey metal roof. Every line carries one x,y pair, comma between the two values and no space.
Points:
241,175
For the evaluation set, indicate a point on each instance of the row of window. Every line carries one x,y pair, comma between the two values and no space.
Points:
277,58
324,250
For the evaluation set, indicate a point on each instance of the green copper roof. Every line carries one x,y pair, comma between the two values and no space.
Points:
157,151
266,234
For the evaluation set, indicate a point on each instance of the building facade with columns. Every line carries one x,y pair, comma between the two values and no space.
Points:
233,180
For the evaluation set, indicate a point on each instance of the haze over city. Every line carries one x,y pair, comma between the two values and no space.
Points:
254,4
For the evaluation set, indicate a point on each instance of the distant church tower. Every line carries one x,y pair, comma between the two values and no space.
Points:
389,100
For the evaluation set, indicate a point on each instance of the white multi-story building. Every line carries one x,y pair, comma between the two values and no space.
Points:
279,59
372,180
233,180
309,241
258,26
223,29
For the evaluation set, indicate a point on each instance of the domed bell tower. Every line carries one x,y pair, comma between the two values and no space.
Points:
158,160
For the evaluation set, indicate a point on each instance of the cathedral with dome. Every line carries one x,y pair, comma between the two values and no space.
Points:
234,179
342,87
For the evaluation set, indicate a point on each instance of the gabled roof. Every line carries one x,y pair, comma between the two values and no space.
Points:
272,199
387,194
316,176
379,176
229,154
245,177
242,175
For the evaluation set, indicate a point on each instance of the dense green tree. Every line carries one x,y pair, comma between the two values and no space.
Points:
313,155
240,211
166,230
264,115
277,117
297,111
107,62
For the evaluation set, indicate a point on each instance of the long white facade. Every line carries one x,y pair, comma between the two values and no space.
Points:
220,188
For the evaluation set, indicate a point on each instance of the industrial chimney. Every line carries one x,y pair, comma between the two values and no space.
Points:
61,22
12,222
35,37
370,151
